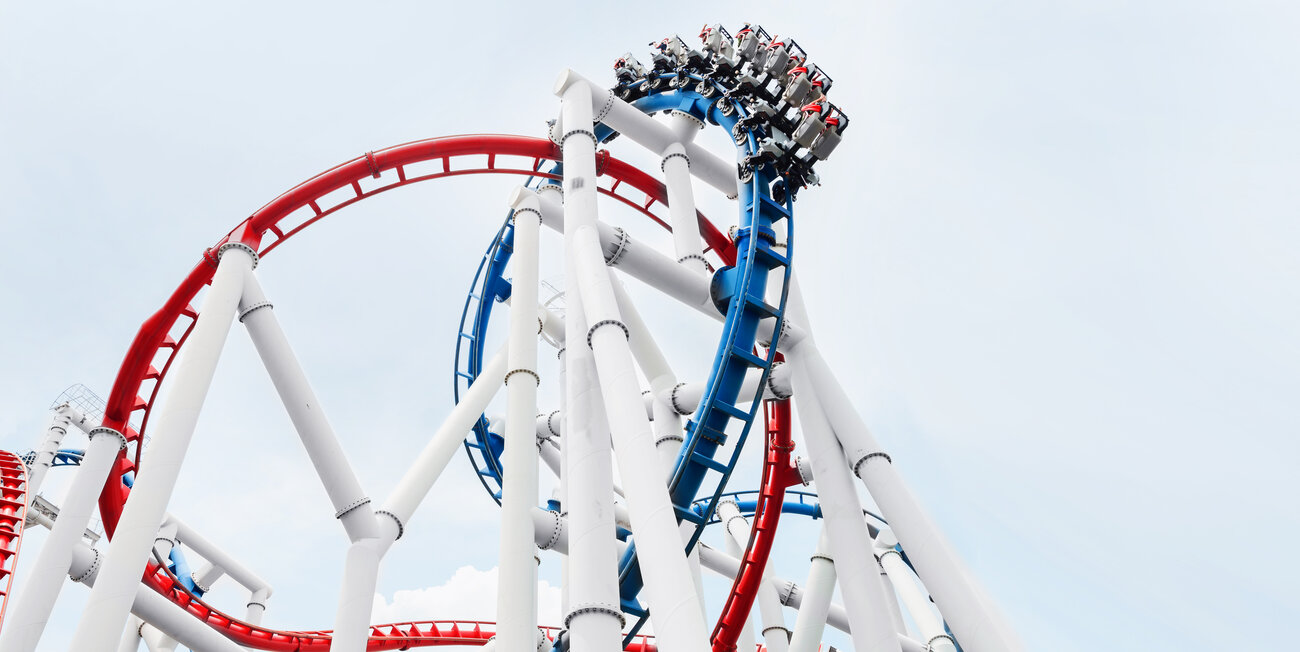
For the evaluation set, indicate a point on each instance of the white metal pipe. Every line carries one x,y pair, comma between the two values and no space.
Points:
352,506
775,634
517,570
217,557
173,427
593,617
31,610
665,421
256,606
973,618
419,479
60,421
928,623
745,641
676,613
687,243
151,607
207,575
131,637
157,641
356,595
810,623
864,597
895,612
642,129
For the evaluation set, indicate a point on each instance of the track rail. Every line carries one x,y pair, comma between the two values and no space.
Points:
13,513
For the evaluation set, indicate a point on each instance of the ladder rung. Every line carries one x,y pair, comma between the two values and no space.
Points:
731,409
709,462
753,360
761,306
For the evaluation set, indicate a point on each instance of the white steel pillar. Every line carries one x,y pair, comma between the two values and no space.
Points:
60,421
592,615
918,603
517,574
864,598
31,611
131,637
973,618
352,506
173,428
674,604
810,624
775,634
687,243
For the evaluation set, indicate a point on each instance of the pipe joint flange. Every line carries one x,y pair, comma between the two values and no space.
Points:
819,555
530,372
604,108
595,608
540,325
804,469
857,466
677,438
672,401
785,326
351,506
682,155
578,132
552,186
105,430
257,306
194,577
881,554
776,628
771,385
550,423
788,589
526,209
929,645
401,527
92,569
623,241
607,322
252,253
560,354
260,604
557,524
698,257
699,124
727,524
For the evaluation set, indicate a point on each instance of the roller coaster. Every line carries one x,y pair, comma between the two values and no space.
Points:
642,459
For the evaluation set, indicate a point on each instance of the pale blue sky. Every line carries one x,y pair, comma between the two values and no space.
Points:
1055,258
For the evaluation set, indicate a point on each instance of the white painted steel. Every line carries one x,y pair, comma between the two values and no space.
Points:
592,615
517,570
131,636
810,624
447,441
332,466
357,595
864,598
675,610
687,243
972,615
173,427
60,421
642,129
219,558
928,623
31,609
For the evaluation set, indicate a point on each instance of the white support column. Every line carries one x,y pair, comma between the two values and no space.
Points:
173,428
675,609
517,572
687,243
592,617
156,640
351,505
974,619
775,634
444,443
207,575
864,598
31,610
810,624
221,562
666,422
131,637
929,624
60,421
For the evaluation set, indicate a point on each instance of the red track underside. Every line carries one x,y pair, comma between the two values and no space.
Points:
13,512
163,334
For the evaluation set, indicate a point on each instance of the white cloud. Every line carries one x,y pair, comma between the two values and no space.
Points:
469,594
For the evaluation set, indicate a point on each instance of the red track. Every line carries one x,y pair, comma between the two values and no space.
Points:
162,335
13,511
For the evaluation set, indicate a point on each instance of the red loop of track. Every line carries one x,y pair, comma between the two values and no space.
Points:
162,335
13,513
777,475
